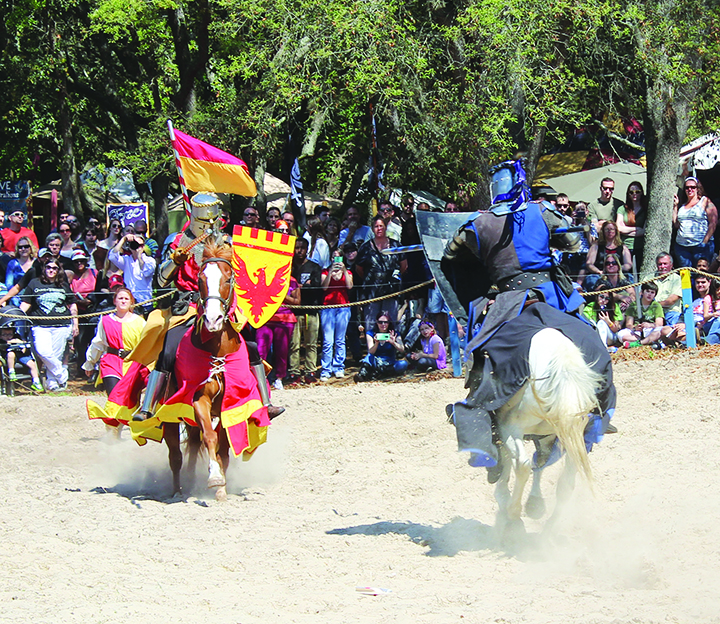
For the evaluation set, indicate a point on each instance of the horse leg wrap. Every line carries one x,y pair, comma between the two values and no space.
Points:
216,478
154,391
473,426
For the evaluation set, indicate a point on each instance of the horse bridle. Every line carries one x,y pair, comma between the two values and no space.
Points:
224,302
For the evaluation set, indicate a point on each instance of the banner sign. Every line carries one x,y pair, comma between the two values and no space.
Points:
262,262
128,214
14,196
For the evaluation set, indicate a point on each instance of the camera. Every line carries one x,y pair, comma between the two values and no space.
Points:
130,246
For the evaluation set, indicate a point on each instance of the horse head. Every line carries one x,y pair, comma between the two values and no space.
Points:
215,282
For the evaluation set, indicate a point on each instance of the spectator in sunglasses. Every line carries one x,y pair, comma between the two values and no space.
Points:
695,222
15,231
23,259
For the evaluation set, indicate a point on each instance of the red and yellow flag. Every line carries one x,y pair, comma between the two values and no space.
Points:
207,168
262,261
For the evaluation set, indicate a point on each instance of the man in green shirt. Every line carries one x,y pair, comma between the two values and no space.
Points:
605,207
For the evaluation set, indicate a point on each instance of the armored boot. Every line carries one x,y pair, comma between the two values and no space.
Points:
474,429
259,372
153,393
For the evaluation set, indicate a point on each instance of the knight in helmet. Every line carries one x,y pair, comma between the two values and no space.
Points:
165,328
510,245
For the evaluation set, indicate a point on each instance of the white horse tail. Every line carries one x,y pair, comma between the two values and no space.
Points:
564,387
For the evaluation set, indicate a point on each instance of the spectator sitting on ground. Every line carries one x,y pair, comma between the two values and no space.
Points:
669,294
608,317
384,347
613,276
711,314
18,350
433,355
609,244
647,328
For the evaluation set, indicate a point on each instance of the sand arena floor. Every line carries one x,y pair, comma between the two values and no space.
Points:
362,486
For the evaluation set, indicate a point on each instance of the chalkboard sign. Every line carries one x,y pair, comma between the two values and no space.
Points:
128,214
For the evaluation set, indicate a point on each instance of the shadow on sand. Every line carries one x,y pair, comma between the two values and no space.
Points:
458,535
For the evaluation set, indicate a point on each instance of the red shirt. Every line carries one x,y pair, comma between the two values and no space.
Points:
337,292
10,238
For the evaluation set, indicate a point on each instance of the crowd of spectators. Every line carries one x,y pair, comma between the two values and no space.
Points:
611,257
340,260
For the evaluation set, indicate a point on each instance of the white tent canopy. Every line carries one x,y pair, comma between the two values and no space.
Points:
585,185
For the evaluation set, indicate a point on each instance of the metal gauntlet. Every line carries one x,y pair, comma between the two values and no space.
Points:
166,272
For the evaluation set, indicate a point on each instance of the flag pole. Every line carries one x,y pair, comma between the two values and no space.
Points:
183,189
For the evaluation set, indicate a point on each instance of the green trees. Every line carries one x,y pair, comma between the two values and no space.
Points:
455,86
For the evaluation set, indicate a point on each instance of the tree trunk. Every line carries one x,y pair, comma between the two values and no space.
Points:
160,187
260,198
70,177
667,116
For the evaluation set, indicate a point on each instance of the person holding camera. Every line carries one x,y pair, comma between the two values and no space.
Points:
337,282
385,352
137,267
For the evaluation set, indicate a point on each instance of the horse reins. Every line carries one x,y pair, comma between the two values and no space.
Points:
225,302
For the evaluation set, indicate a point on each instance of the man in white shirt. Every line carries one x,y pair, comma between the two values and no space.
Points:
354,232
138,268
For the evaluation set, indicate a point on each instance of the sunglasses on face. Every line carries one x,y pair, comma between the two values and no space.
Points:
607,188
51,268
116,226
23,246
607,264
383,322
690,188
64,230
633,192
251,214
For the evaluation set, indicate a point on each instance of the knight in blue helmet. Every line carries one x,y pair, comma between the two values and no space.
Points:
512,243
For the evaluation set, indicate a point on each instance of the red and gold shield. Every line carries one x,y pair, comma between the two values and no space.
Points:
262,262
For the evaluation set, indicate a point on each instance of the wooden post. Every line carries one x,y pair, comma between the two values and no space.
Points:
687,308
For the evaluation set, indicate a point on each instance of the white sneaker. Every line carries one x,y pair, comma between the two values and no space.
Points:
340,374
324,377
278,384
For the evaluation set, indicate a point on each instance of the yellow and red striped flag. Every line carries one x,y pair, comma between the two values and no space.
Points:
207,168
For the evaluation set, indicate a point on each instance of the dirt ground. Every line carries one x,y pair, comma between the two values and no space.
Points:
362,486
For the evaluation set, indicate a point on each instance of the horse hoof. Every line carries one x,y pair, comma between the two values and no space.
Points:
535,507
216,481
221,495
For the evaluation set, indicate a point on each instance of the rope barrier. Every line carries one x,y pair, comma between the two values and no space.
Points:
360,303
610,291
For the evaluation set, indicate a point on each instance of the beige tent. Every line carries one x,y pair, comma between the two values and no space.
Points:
585,185
277,194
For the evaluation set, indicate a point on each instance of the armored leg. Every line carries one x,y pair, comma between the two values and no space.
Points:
259,372
153,393
474,429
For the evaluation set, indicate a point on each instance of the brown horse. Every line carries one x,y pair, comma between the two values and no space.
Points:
216,282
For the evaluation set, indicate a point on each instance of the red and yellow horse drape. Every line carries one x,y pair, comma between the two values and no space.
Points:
242,413
262,262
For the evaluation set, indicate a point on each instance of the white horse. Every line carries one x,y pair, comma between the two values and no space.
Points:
554,402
